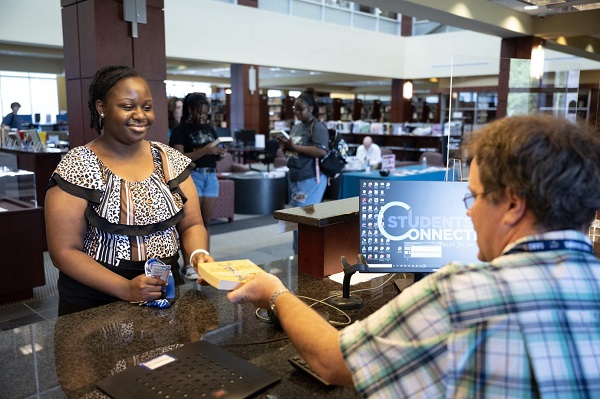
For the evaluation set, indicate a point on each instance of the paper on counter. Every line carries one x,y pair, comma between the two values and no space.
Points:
284,227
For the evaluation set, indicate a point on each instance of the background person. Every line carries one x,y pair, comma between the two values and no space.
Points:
120,200
195,137
522,324
308,142
175,107
12,120
369,153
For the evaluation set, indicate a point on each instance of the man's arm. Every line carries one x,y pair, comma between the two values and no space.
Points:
314,338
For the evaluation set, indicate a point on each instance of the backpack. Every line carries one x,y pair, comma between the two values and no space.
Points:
335,159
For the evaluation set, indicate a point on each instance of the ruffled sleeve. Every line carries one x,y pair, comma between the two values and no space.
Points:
79,173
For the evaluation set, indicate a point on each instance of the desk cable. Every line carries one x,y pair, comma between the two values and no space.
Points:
322,301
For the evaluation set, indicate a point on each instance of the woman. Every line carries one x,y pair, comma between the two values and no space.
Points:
175,106
120,200
196,139
308,142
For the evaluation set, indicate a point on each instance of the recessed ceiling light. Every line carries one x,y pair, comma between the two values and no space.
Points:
531,7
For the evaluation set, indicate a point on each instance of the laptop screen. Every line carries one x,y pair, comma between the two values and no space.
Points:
414,226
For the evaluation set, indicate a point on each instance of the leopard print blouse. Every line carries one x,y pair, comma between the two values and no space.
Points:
127,220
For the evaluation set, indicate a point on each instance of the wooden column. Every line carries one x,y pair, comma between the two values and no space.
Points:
96,35
401,107
518,47
245,106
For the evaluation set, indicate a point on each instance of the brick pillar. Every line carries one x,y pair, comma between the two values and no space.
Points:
245,106
518,47
95,35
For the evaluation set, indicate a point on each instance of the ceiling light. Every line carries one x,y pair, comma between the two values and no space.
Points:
531,7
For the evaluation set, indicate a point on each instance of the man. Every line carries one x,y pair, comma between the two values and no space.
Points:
524,324
12,120
369,152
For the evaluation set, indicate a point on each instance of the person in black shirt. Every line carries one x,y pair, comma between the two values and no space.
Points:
195,137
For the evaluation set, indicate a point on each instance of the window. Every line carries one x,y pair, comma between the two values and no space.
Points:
36,92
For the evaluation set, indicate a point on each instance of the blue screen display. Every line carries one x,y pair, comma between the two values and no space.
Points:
414,226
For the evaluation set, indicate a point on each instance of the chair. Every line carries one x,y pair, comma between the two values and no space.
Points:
398,164
268,156
227,165
433,159
280,159
225,207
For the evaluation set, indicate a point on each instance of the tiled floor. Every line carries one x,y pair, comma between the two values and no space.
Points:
253,238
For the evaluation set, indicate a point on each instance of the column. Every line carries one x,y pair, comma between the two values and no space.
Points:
518,47
245,104
401,107
95,34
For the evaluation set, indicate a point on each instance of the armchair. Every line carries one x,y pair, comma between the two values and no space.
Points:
226,200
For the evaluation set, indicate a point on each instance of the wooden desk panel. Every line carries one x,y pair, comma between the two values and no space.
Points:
21,246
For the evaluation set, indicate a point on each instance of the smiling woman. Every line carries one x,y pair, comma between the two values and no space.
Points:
119,201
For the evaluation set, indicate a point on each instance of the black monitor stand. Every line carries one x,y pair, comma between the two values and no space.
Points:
348,301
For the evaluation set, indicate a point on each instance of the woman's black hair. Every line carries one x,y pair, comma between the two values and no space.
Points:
195,101
308,96
103,81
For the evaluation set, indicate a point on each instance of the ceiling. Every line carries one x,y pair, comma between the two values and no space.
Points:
565,24
570,26
549,6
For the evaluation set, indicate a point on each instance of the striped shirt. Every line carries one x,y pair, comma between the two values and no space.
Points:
525,325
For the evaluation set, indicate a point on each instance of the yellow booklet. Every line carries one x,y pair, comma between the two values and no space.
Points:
227,274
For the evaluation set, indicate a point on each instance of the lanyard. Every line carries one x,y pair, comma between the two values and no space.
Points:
551,245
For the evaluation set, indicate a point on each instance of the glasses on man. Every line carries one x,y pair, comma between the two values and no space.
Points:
469,200
298,109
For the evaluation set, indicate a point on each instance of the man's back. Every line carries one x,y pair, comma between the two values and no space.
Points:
527,322
522,324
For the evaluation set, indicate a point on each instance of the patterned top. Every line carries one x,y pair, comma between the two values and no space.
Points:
525,323
127,220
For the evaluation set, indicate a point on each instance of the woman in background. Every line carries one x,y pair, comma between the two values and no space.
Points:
308,142
175,106
196,139
120,200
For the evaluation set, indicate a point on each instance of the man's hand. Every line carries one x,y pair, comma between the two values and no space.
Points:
257,290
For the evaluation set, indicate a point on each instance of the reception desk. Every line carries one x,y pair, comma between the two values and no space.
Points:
65,357
349,186
326,232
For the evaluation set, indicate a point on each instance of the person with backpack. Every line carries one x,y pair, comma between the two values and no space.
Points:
308,142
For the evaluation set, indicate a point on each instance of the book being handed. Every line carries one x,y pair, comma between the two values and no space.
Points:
228,274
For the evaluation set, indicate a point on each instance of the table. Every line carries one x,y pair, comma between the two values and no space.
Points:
350,180
245,155
259,193
72,353
326,232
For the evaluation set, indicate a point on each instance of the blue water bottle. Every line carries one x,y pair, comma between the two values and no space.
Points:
170,288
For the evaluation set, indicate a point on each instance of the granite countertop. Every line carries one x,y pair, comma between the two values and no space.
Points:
322,214
65,357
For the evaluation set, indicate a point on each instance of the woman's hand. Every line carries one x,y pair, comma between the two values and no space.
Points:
285,144
145,288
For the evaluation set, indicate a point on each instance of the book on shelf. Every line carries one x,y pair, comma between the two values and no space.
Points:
281,133
228,274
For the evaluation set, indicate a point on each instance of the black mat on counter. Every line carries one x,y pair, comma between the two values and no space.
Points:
198,369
